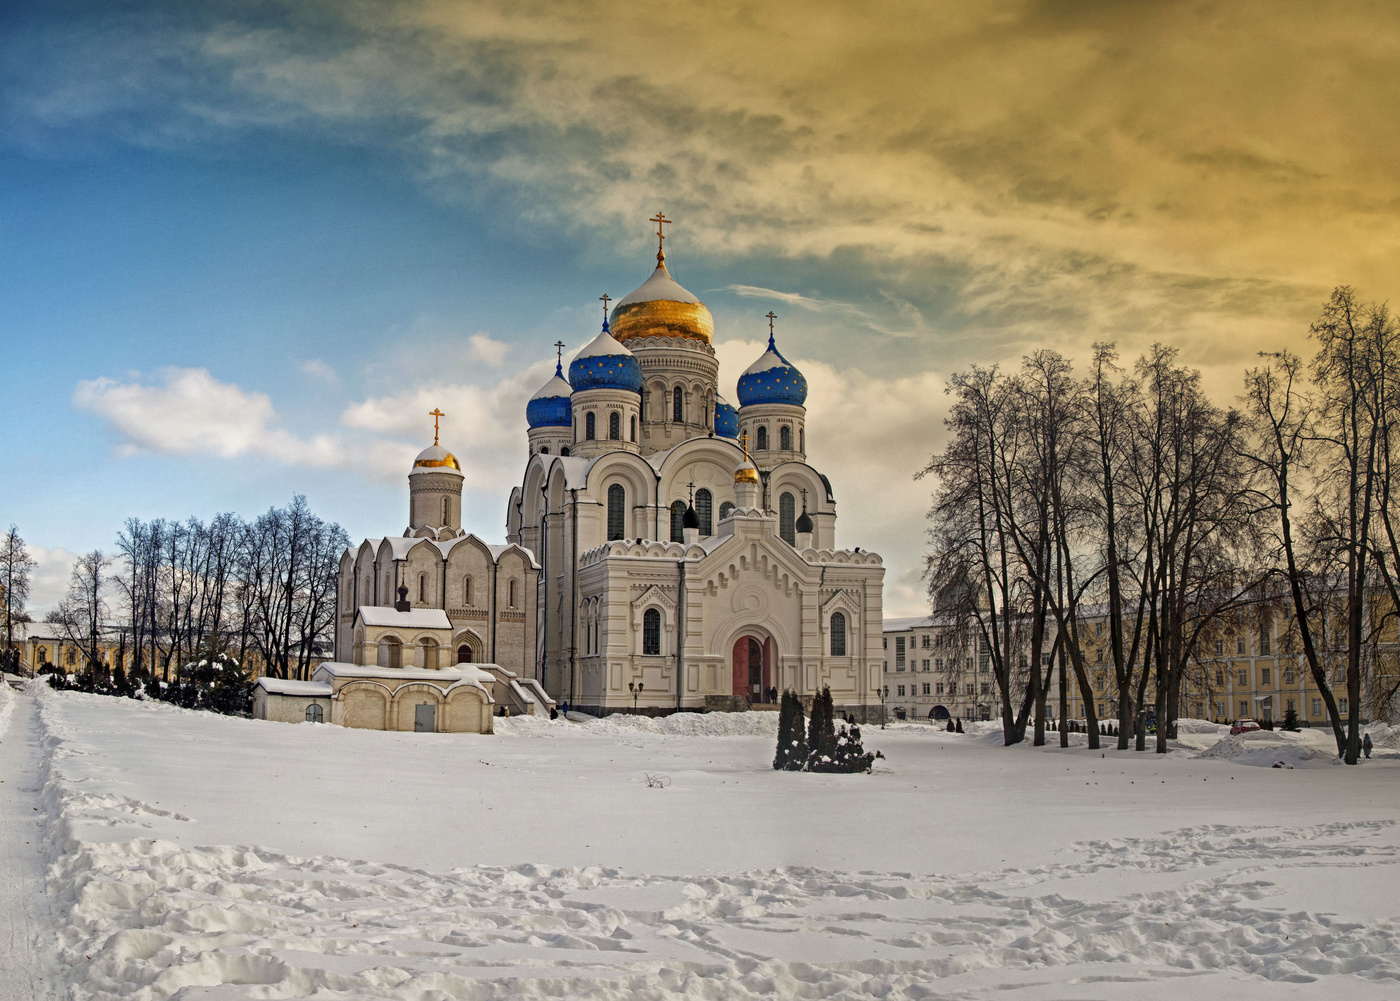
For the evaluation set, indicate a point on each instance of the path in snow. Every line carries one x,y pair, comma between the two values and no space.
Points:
1239,881
26,933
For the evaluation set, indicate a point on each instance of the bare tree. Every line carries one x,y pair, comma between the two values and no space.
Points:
82,614
16,565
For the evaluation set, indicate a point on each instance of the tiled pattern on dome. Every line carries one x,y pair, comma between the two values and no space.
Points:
606,372
779,384
726,421
549,412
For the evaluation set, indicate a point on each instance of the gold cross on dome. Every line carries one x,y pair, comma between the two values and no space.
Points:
661,221
559,352
744,440
606,299
771,317
435,414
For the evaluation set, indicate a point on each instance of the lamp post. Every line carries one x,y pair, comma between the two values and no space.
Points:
884,693
636,690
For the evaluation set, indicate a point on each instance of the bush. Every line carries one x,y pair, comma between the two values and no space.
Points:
832,750
792,734
217,683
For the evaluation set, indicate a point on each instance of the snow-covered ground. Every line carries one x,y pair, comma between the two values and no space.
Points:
192,855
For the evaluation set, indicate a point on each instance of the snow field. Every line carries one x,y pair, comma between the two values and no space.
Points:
962,870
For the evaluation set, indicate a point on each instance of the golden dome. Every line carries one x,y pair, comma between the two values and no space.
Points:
436,457
661,308
746,473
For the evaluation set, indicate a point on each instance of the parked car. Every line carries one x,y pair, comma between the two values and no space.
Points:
1244,726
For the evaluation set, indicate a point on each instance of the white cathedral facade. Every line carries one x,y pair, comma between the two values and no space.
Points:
663,549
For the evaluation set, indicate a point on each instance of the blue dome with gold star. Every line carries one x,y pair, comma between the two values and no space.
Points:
726,419
772,379
605,364
550,407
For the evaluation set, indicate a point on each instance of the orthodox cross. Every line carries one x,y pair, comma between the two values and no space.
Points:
771,317
804,501
744,440
435,414
692,493
661,221
559,353
606,299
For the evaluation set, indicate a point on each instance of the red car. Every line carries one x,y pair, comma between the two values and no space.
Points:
1244,726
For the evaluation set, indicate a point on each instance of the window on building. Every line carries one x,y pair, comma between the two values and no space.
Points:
1219,678
1316,707
971,689
1244,709
651,632
938,688
926,691
678,405
464,654
1264,640
1220,709
1239,645
1244,679
1220,648
1098,628
1290,676
785,438
446,511
725,510
900,692
614,426
704,505
544,450
762,439
986,688
634,429
466,590
1264,674
1342,706
923,641
678,521
589,427
510,593
564,450
315,714
787,519
617,511
899,653
1289,706
422,587
838,635
938,664
925,665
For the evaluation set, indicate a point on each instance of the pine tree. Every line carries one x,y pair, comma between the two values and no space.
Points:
850,755
821,734
1290,719
785,715
797,746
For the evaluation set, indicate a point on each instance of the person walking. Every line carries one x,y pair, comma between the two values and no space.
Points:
1366,745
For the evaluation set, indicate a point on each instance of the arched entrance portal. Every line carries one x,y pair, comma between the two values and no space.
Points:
753,667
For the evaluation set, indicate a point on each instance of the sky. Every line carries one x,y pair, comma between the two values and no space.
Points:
246,246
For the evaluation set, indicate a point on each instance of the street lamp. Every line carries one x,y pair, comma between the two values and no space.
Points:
884,693
636,690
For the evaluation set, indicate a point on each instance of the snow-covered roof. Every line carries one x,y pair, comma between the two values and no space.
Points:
461,674
899,625
604,344
556,386
282,686
659,287
414,618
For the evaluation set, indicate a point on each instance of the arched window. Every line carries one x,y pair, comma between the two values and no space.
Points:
785,438
617,511
614,426
642,402
564,450
634,429
315,714
677,405
510,593
464,654
725,510
589,429
762,439
428,654
446,508
787,516
704,506
802,440
651,632
422,587
466,591
678,521
838,634
545,450
391,653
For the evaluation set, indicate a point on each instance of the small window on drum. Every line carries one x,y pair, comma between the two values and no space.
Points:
634,429
677,405
725,510
651,632
617,511
785,438
589,427
315,714
762,439
704,505
614,426
678,521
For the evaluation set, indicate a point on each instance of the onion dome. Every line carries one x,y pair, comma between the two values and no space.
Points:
690,519
661,308
746,473
550,408
436,459
605,364
772,379
726,419
804,522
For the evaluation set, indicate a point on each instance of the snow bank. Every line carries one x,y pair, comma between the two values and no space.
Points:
749,724
7,703
1270,748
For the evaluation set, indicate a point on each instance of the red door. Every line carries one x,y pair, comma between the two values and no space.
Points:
752,668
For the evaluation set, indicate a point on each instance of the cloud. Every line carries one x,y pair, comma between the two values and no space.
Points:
191,413
483,349
49,581
318,369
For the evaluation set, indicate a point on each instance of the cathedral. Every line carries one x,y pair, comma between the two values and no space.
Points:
664,550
